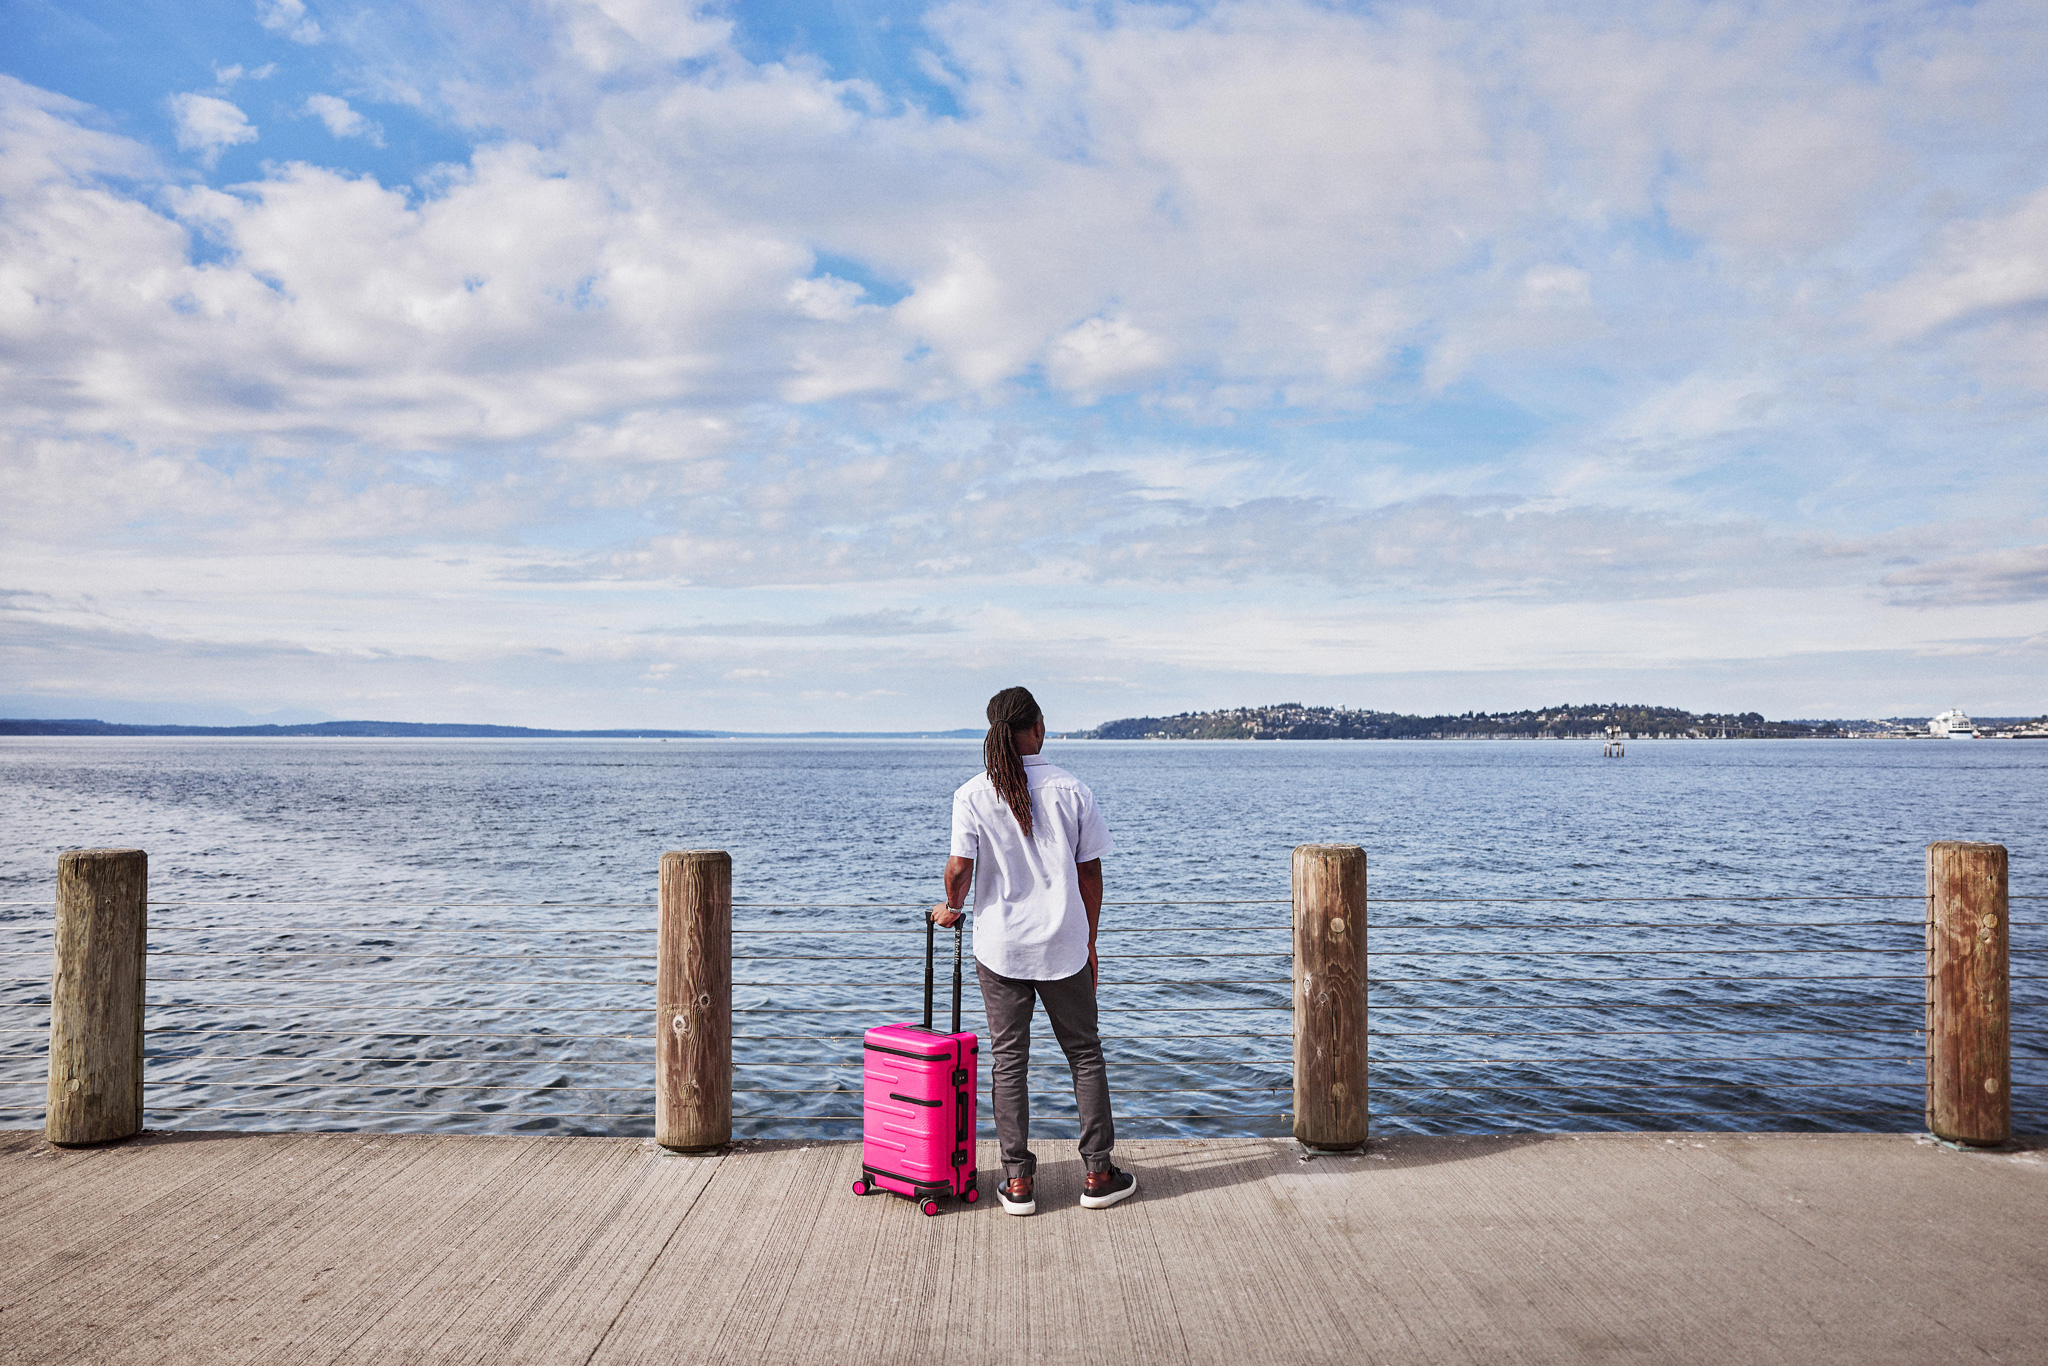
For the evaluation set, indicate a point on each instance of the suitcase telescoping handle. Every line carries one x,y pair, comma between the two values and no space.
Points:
959,933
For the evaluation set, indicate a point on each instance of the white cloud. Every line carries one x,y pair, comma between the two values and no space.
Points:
289,19
963,311
1494,305
1124,208
1553,286
826,298
608,35
1979,270
887,622
2015,574
1100,353
208,125
226,76
1221,250
1981,295
342,121
1688,416
45,140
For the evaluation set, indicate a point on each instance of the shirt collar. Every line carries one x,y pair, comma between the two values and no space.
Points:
1033,760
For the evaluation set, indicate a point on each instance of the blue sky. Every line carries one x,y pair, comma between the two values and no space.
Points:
606,362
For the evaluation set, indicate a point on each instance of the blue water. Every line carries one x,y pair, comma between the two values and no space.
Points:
457,934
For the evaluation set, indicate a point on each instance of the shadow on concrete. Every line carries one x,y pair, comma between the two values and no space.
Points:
1402,1151
1168,1169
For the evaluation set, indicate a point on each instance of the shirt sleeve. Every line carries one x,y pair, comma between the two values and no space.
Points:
1095,840
966,838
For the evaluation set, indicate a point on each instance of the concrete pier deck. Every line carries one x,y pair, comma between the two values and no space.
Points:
312,1248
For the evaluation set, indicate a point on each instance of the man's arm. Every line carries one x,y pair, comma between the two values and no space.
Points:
959,882
1091,901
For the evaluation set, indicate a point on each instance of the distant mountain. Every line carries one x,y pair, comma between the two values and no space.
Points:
432,730
1293,721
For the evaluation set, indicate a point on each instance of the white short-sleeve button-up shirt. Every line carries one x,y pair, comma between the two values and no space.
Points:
1028,918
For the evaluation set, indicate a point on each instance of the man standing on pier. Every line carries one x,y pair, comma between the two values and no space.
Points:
1028,841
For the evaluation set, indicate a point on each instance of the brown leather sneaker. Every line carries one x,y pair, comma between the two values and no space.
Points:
1016,1196
1100,1190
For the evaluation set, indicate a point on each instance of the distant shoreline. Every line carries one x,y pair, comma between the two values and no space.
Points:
1610,721
401,730
429,730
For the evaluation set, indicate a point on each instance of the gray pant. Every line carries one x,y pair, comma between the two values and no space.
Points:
1070,1006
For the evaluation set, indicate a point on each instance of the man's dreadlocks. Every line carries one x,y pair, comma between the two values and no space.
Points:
1009,711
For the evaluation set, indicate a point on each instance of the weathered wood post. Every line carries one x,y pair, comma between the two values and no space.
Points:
96,977
1969,1022
1329,996
693,1002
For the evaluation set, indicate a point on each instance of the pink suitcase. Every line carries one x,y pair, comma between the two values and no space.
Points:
917,1103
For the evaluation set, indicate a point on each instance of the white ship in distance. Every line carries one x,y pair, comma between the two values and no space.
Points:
1952,725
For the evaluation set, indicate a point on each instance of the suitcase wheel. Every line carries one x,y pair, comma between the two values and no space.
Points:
861,1187
973,1194
930,1207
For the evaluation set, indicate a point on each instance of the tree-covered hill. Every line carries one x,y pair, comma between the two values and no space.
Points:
1293,721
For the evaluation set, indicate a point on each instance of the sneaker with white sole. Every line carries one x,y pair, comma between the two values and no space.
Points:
1015,1195
1100,1190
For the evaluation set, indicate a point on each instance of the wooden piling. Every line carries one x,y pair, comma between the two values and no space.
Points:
1969,1017
1329,996
693,1002
96,979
